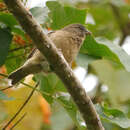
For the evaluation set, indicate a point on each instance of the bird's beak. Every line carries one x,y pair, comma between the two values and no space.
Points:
88,32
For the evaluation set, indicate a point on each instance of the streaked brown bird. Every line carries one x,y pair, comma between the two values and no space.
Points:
68,40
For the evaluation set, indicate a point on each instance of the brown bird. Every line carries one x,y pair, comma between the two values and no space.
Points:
68,40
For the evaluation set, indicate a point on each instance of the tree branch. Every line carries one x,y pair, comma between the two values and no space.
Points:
58,63
123,27
117,15
121,42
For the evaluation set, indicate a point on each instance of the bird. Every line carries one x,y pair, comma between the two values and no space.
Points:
68,40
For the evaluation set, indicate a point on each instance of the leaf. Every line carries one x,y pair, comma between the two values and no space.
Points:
106,50
49,85
40,14
4,97
71,109
45,87
5,41
15,58
8,19
84,60
117,80
64,15
60,120
114,116
103,26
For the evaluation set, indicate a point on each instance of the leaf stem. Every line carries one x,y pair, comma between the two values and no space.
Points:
18,121
21,108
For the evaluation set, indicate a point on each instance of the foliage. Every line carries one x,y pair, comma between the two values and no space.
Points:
5,42
62,16
114,116
98,55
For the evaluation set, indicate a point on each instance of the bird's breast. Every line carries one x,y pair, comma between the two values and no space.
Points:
67,43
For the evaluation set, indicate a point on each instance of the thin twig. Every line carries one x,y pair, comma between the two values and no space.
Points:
4,75
21,108
3,89
23,47
27,85
14,57
4,9
18,121
121,42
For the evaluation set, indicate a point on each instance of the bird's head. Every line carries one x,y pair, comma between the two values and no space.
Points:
77,29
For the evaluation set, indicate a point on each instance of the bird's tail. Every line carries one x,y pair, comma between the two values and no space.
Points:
17,75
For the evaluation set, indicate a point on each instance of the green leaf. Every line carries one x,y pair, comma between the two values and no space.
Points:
5,97
5,41
18,30
63,15
104,26
8,19
45,87
15,58
49,85
117,80
60,120
106,50
114,116
71,109
40,14
84,60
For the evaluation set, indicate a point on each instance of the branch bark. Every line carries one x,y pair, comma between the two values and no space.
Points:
58,63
